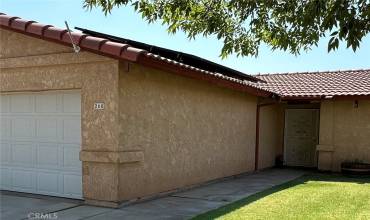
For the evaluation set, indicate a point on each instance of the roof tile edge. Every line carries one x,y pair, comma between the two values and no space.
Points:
128,53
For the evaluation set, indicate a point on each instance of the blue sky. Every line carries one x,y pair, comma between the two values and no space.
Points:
126,23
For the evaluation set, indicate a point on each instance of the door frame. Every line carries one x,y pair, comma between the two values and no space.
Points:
285,133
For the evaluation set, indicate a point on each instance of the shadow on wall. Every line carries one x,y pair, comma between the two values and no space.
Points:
317,177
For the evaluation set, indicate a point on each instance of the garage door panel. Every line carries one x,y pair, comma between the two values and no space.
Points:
23,180
5,127
48,155
4,104
22,154
46,103
71,103
5,153
47,128
21,103
48,183
71,129
40,143
71,157
6,178
23,127
72,184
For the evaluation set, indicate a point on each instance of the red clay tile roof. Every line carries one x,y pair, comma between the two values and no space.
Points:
124,52
318,84
287,86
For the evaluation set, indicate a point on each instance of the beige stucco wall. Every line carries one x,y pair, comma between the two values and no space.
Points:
271,132
30,64
188,131
344,133
158,131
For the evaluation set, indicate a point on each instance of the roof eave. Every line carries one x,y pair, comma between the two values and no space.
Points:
323,97
124,52
346,97
154,63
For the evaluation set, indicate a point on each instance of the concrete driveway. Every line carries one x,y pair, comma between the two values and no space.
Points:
182,205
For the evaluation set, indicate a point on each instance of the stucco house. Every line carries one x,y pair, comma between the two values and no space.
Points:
122,120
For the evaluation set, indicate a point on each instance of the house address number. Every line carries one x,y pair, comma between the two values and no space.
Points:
99,105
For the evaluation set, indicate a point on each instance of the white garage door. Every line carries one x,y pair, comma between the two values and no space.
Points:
40,143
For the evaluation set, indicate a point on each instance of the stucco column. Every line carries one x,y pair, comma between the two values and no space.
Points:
100,135
101,155
325,147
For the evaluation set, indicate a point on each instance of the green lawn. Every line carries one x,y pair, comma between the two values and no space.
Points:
316,196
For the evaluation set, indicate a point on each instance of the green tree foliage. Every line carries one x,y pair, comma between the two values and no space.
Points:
242,25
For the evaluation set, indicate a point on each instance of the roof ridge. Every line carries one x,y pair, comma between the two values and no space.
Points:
313,72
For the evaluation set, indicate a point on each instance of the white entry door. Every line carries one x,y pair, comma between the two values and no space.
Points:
40,143
301,137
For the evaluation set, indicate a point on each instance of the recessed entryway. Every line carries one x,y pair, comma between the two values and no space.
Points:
40,143
301,137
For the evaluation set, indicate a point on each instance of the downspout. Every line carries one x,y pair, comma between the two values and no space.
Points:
257,138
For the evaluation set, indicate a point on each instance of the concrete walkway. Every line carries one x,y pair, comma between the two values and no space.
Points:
182,205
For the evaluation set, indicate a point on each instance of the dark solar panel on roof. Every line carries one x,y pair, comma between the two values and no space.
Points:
178,56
